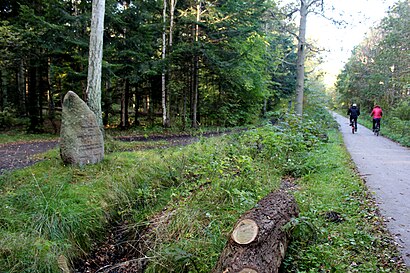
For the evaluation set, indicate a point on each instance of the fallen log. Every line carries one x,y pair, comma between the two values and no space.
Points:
258,242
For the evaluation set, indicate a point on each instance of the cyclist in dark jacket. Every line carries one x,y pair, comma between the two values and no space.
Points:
354,113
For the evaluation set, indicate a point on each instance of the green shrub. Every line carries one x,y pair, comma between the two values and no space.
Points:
7,119
402,111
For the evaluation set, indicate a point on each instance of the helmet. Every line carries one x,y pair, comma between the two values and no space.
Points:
354,104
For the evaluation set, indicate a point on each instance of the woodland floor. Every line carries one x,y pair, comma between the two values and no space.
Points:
118,254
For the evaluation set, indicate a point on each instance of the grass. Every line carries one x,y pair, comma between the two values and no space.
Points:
359,242
18,136
199,191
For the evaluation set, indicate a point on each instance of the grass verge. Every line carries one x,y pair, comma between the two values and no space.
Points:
342,230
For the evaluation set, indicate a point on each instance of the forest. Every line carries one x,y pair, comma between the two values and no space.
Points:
213,63
185,63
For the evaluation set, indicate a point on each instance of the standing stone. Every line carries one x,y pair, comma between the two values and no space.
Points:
81,140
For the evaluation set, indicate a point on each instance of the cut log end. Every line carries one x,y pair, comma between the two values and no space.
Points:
245,232
248,270
258,241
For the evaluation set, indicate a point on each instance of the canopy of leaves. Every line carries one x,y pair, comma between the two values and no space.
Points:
378,71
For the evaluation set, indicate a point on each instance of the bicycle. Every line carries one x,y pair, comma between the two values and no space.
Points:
352,125
377,129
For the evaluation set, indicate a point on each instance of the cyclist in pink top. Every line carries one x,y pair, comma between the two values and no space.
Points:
377,114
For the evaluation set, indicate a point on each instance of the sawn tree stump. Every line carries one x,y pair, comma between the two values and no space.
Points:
258,242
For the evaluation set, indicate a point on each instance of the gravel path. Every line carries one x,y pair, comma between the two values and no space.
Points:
385,166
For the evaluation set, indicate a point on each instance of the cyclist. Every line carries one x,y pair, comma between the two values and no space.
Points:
377,114
354,113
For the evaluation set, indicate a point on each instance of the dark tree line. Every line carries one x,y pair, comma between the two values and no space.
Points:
226,61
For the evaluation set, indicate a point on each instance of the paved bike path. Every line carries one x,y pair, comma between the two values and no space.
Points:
385,166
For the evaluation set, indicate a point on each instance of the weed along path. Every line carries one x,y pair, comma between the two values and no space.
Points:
385,166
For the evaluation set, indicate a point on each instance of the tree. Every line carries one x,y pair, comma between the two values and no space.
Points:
305,9
165,120
377,71
95,60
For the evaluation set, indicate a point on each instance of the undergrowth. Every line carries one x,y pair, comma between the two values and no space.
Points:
51,211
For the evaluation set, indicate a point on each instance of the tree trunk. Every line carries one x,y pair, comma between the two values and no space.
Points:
21,85
185,102
172,6
196,71
3,85
125,98
107,102
165,115
137,105
32,102
258,242
44,86
300,65
95,60
265,106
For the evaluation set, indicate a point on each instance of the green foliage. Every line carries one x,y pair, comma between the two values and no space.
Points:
7,119
402,111
239,55
208,185
398,130
377,72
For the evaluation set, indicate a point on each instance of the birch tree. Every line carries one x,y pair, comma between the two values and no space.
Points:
165,120
95,60
164,91
300,63
306,6
195,87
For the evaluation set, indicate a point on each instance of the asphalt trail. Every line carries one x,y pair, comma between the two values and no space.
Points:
385,166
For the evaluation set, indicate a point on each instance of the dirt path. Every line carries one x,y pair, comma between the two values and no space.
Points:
385,166
20,154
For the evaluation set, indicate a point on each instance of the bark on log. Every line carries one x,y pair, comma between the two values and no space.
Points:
258,242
